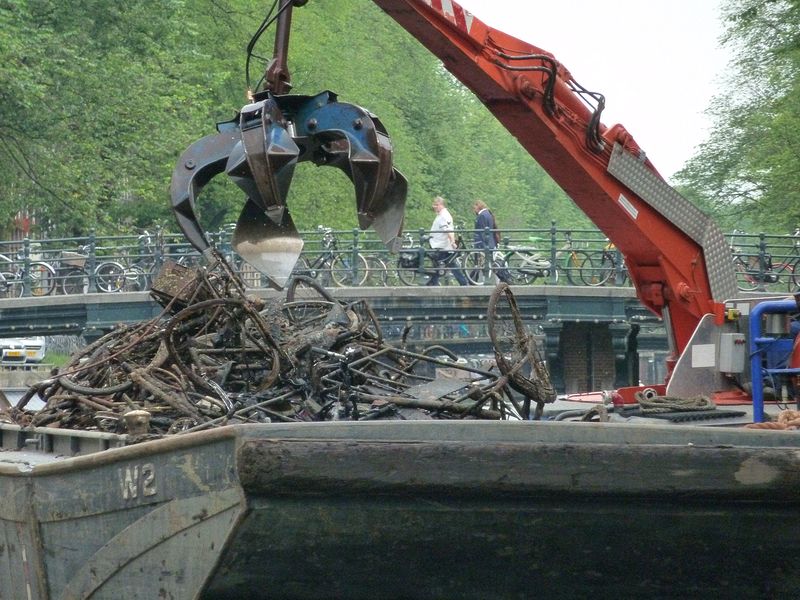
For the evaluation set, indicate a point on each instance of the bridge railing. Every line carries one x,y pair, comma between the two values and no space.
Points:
551,255
766,262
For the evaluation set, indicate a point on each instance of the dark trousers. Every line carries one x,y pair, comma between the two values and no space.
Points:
446,260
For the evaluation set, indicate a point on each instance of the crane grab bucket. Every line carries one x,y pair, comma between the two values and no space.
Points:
257,150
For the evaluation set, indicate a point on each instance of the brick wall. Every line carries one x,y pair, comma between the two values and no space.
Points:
580,344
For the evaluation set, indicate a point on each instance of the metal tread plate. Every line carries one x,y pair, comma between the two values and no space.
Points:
656,192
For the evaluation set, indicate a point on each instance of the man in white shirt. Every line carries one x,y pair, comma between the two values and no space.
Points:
443,241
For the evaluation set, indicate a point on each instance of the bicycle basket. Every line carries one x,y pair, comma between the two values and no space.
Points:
72,259
409,260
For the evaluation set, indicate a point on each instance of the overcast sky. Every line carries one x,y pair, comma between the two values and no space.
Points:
657,62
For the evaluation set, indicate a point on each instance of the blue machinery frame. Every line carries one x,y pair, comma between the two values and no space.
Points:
761,344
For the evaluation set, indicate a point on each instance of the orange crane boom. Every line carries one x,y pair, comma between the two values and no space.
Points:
677,258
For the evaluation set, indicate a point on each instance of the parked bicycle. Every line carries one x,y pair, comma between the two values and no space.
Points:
794,260
129,271
603,266
344,268
378,273
411,272
755,270
570,258
134,272
67,273
519,265
71,272
17,274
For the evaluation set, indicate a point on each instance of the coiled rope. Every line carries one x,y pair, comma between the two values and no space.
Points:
787,419
652,404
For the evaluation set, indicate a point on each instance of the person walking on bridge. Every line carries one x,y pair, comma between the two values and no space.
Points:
443,242
487,237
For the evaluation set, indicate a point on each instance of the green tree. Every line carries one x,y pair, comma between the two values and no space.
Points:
93,100
746,172
98,100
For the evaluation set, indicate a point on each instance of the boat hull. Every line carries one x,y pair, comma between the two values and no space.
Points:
411,509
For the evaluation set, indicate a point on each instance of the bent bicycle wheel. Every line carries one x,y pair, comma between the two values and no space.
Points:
367,324
515,348
307,301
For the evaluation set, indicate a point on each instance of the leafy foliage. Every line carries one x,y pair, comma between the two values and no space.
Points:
98,99
746,173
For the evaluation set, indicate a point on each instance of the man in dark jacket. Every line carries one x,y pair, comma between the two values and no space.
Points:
485,234
487,237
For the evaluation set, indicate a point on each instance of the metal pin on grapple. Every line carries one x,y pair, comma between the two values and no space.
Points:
259,149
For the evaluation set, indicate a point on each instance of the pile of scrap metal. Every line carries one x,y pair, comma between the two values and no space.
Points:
217,356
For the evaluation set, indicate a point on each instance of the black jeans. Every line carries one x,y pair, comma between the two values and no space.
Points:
446,260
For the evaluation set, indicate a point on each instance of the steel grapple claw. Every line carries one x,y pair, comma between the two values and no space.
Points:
259,150
354,140
198,165
262,164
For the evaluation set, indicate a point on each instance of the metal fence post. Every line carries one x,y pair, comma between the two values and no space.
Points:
354,256
618,267
553,252
158,253
91,261
487,255
26,267
421,253
762,262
